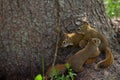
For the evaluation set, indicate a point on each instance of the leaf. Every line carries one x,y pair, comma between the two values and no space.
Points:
67,77
112,7
71,74
38,77
67,65
54,73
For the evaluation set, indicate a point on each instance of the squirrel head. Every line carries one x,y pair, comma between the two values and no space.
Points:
67,39
71,39
84,26
95,41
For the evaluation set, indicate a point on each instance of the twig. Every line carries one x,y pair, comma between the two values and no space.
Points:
57,16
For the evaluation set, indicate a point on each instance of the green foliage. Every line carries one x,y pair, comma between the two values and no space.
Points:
38,77
112,8
70,76
55,75
67,65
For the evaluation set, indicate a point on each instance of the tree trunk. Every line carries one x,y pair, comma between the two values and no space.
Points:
28,33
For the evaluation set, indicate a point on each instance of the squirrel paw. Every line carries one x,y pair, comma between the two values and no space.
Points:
96,67
82,43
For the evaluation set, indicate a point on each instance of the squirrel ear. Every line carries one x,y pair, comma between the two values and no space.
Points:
63,32
84,18
87,23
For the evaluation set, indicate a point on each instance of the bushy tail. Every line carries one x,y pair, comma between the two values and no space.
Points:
107,61
61,68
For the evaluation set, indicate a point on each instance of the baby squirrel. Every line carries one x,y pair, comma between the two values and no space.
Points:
78,59
90,32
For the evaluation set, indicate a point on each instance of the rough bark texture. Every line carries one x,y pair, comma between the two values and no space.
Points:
28,32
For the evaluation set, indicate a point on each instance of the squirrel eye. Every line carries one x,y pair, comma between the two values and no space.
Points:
79,29
63,42
95,41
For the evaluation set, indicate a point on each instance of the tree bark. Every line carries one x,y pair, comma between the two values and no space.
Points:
28,32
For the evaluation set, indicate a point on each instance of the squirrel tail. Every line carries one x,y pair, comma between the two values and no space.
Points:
61,68
107,61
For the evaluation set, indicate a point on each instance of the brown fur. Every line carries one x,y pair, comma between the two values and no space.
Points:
90,51
77,60
90,32
73,39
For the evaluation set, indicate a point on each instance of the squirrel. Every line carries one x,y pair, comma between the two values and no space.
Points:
73,39
77,61
90,32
